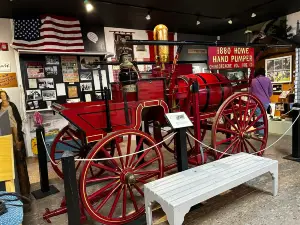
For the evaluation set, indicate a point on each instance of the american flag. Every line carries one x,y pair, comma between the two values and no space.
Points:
48,33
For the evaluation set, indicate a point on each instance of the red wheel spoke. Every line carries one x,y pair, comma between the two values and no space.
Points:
92,173
229,120
113,207
120,154
235,149
226,130
133,199
246,111
73,138
78,164
246,148
147,172
99,192
256,120
107,155
140,158
189,142
249,143
252,113
101,166
242,146
124,201
147,163
145,178
235,116
171,141
225,140
128,149
72,146
258,139
139,190
136,150
229,147
97,180
257,129
107,198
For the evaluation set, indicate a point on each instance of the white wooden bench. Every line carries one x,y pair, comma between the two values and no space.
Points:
179,192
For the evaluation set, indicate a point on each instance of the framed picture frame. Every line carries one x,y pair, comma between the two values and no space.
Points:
279,69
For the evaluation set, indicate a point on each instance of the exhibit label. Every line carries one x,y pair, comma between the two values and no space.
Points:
230,57
8,80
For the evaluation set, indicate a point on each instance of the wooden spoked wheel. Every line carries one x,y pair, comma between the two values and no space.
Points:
117,197
68,140
236,123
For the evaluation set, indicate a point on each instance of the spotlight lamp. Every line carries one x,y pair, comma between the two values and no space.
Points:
148,17
198,21
88,6
230,21
253,15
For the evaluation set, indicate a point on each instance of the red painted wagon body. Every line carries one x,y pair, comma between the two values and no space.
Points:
111,190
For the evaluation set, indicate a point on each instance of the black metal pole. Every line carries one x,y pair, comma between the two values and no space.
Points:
71,190
296,132
46,189
295,156
42,157
181,150
205,43
107,108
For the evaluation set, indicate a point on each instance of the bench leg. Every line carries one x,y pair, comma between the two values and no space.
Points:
176,216
149,213
275,181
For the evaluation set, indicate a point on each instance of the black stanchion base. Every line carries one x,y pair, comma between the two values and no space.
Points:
290,157
38,194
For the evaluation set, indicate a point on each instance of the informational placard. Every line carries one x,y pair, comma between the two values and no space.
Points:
230,57
178,120
122,47
8,80
4,66
279,70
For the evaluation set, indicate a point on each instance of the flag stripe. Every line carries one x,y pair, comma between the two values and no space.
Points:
56,47
60,19
60,36
48,43
59,31
51,26
53,40
60,24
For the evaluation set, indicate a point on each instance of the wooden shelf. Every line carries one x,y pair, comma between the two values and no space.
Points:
38,110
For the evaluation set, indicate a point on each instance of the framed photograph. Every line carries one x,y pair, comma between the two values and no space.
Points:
52,60
35,70
51,70
72,92
89,62
279,70
86,86
88,75
46,83
98,95
69,69
49,95
34,95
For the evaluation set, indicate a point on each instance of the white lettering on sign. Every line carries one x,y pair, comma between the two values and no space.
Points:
178,120
4,66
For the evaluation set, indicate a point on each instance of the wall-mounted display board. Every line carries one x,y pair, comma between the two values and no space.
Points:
61,78
279,70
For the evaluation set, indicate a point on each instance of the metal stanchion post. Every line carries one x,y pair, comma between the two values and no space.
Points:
71,190
181,150
295,156
46,189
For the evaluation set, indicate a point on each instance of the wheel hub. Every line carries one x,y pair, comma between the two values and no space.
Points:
128,177
247,135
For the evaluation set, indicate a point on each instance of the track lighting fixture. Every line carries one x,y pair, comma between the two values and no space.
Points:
148,17
89,7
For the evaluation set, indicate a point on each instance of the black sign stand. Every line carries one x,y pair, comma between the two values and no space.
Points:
46,189
295,156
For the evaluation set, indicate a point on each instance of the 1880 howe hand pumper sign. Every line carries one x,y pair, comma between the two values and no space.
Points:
230,57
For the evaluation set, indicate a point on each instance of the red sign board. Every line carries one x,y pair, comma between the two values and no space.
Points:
230,57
